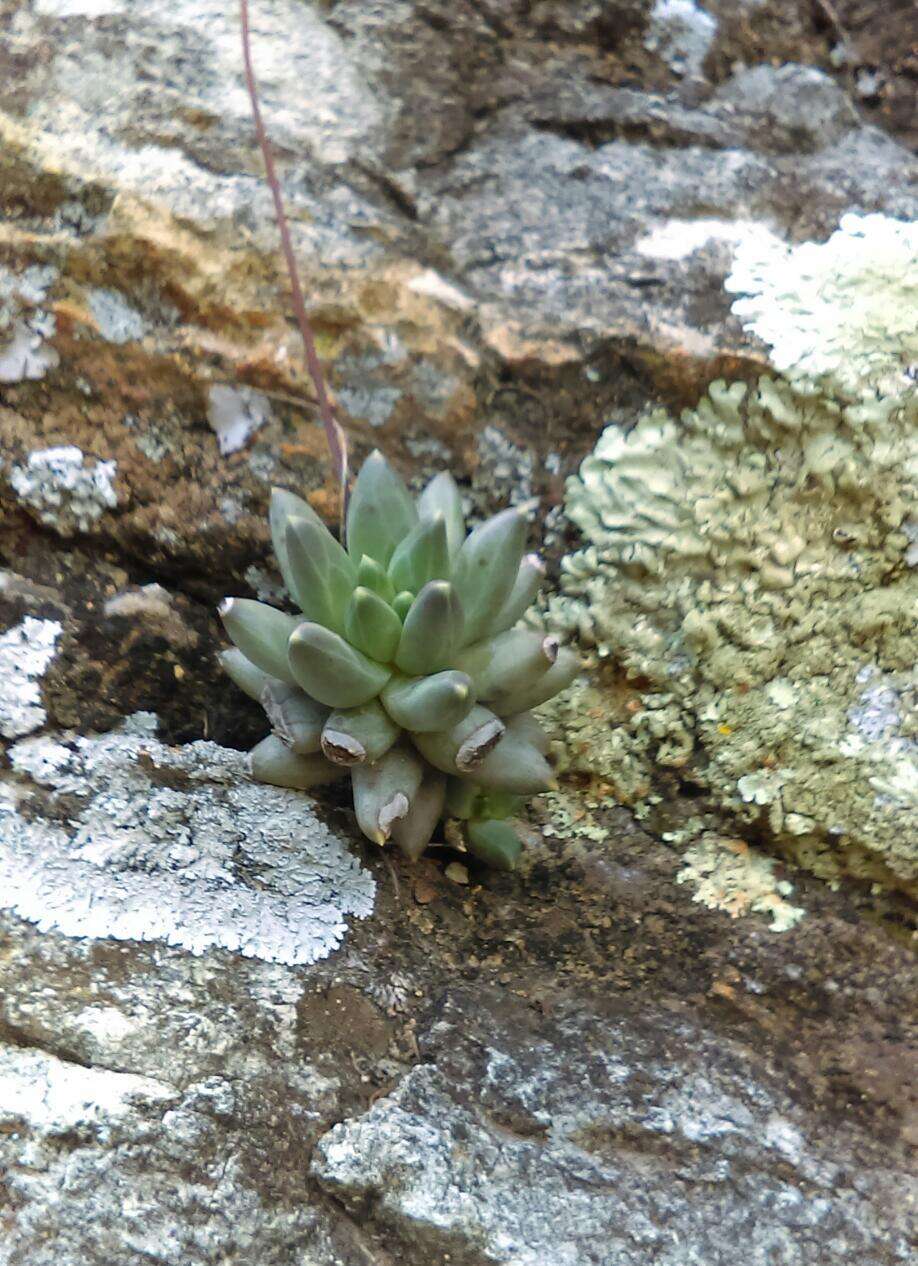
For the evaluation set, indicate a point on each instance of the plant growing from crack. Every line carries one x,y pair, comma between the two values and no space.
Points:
404,668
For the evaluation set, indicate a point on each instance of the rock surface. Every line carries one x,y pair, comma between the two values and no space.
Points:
230,1031
516,236
576,1065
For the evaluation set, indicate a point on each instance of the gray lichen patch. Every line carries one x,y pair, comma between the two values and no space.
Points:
25,326
235,413
171,844
25,356
116,320
682,33
744,564
68,492
25,652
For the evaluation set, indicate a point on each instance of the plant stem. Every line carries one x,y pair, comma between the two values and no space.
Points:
337,443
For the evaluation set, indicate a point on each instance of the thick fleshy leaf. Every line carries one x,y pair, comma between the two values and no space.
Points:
462,798
381,511
371,625
354,735
515,766
433,630
401,603
372,575
529,580
498,804
296,719
261,633
486,567
413,832
504,664
273,762
441,496
494,842
562,672
321,574
331,670
247,676
437,702
525,726
463,746
421,556
383,791
284,507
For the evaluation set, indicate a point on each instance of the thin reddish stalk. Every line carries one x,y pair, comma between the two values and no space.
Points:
337,443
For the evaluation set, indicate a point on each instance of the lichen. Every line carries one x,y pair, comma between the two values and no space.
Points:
25,326
840,316
728,875
744,565
24,357
116,320
235,413
25,652
121,836
747,572
267,587
68,493
55,1095
681,33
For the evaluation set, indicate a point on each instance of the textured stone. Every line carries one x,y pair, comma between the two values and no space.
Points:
624,1156
517,1070
514,222
467,228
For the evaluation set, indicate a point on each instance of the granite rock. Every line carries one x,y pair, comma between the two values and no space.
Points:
229,1030
478,235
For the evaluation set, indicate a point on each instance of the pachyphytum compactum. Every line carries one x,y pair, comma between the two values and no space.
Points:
405,668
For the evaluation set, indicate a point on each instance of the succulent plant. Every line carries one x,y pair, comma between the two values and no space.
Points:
405,668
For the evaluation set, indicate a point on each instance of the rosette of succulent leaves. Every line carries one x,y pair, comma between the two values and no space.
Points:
405,669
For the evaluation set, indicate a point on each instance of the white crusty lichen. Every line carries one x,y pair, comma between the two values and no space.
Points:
25,325
55,1095
115,319
840,316
682,33
68,492
26,650
743,565
121,836
235,413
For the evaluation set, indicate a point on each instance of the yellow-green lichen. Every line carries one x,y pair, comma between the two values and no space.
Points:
746,568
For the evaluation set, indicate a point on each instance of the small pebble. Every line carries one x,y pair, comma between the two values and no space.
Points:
424,892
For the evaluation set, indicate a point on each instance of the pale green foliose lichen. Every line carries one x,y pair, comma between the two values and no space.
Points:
727,875
840,316
746,569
